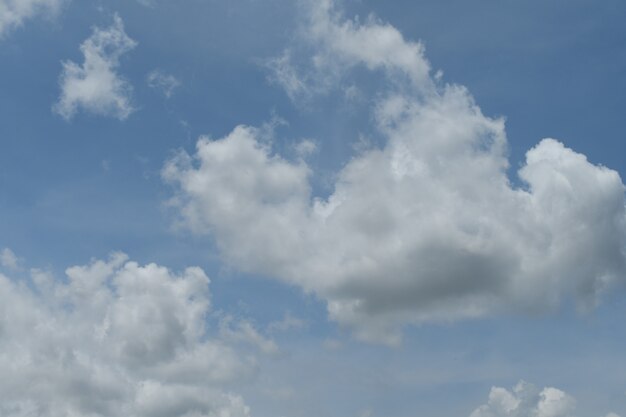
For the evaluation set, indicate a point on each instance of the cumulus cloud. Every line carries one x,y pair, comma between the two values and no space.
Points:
114,338
95,86
426,227
166,84
13,13
526,400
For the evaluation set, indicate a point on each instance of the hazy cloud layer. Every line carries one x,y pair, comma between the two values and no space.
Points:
114,339
95,86
13,13
428,227
526,400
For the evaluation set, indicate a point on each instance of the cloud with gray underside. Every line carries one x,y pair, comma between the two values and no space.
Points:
428,226
115,338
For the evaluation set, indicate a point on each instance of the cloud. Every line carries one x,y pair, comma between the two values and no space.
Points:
336,44
13,13
95,86
115,338
244,331
428,227
8,259
375,44
526,400
162,82
283,73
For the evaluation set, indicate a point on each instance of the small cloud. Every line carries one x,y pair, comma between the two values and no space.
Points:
283,73
162,82
14,13
305,148
352,93
527,400
95,86
9,260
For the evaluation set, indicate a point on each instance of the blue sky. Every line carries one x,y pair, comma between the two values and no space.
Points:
346,174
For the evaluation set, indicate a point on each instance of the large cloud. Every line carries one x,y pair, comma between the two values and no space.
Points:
526,400
95,86
428,227
114,339
14,12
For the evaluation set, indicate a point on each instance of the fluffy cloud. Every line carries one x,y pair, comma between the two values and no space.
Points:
427,227
95,86
525,400
114,339
14,12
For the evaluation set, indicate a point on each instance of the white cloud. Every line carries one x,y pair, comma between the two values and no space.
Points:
338,44
305,148
526,400
95,86
115,339
8,259
373,43
428,227
13,13
162,82
283,73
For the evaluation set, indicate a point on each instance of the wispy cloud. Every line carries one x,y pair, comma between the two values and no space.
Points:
166,84
244,331
13,13
95,86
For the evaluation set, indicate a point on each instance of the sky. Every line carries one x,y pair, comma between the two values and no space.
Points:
342,208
